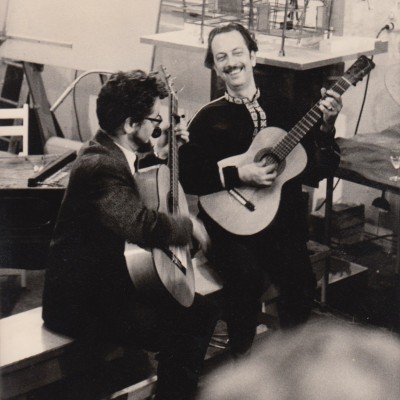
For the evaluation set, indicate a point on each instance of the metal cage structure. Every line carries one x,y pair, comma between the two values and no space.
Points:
305,21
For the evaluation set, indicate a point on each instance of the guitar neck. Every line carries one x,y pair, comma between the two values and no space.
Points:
288,143
173,156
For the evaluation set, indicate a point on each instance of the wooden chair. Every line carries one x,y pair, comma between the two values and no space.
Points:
9,131
6,133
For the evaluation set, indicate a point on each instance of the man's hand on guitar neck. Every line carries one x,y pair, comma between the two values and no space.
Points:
257,174
330,105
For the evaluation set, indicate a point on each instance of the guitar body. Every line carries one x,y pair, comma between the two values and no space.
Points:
156,272
233,216
248,210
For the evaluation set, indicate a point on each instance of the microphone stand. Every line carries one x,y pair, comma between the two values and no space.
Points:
68,90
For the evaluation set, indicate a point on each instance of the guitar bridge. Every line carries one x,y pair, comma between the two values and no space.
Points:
175,260
241,199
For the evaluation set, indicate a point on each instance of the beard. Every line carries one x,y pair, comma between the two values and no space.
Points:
143,147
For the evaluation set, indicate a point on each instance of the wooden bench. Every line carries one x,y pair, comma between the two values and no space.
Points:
32,358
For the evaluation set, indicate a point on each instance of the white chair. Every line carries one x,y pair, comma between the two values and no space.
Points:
20,129
21,114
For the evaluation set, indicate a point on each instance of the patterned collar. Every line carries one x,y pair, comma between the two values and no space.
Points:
257,114
242,100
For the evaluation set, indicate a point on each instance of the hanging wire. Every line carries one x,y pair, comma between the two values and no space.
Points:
388,27
78,125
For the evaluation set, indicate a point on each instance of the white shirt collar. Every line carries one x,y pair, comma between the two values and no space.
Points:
130,157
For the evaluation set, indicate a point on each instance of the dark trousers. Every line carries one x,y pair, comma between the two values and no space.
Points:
246,263
183,348
179,335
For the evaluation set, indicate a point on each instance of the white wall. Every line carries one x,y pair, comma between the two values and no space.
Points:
73,36
89,34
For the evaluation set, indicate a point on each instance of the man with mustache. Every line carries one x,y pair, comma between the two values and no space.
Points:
88,291
226,127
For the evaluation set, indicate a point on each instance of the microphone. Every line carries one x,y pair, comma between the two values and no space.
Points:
156,132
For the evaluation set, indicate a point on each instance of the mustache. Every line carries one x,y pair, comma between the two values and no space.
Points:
230,68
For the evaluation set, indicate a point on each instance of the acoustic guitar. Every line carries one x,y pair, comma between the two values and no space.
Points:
247,210
163,271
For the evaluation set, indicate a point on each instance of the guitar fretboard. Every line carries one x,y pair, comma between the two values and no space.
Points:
289,142
173,157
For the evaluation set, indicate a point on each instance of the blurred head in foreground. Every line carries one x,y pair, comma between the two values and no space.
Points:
320,361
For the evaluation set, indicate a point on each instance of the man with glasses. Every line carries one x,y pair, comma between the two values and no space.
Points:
88,291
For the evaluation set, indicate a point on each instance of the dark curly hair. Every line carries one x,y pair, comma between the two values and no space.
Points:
128,94
250,42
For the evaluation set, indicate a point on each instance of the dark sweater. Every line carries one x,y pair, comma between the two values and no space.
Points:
222,129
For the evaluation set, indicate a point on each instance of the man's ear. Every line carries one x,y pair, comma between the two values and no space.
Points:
216,70
130,126
253,58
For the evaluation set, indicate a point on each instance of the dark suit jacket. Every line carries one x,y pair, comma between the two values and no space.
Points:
87,278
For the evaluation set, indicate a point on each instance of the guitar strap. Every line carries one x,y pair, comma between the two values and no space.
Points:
256,112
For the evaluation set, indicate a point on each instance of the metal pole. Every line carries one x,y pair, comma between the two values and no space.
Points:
327,239
282,50
203,11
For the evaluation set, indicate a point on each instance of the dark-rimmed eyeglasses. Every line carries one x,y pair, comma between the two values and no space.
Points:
157,120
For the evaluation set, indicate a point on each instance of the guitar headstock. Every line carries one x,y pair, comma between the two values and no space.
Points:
362,67
167,79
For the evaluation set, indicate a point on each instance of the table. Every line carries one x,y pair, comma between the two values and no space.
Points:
365,161
27,214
